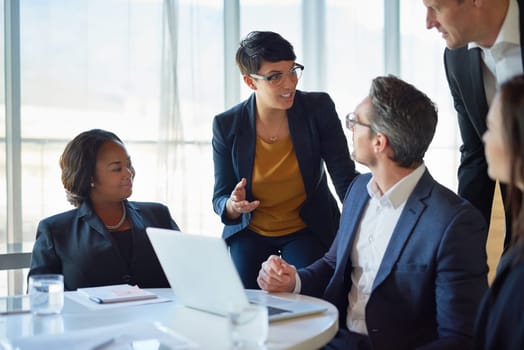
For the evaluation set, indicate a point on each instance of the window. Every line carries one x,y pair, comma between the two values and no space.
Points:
114,68
152,71
422,64
354,50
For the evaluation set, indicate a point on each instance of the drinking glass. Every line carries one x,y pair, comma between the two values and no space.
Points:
248,326
46,294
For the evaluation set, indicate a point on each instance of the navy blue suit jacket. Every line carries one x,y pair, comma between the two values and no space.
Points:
317,137
465,78
432,276
78,245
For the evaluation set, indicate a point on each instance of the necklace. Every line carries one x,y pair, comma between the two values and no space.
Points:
122,219
274,138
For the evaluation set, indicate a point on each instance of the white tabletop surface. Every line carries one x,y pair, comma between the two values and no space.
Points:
206,330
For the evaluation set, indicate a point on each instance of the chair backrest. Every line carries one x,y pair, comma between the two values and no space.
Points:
14,264
14,261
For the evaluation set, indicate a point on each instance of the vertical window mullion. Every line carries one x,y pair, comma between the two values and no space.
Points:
13,137
313,44
231,40
392,37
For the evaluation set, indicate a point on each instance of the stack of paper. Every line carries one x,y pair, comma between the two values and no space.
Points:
116,293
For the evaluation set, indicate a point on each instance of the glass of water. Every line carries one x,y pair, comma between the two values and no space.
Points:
46,294
248,326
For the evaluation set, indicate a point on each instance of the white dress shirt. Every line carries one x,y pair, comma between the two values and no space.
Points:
503,60
371,241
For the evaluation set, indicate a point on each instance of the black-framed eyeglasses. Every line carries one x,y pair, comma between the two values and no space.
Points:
276,79
351,121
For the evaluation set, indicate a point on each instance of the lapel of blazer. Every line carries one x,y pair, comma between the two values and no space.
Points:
133,213
87,213
138,224
245,144
351,216
97,225
299,133
407,221
478,105
354,204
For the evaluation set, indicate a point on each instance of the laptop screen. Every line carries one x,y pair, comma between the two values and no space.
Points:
203,276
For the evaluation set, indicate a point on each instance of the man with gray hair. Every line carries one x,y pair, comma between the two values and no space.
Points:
408,266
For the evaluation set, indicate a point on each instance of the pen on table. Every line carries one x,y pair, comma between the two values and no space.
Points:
96,300
103,344
280,261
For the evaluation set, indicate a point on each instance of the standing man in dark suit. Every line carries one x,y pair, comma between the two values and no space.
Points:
483,40
408,267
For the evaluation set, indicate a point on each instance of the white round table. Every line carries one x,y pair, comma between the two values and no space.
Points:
206,330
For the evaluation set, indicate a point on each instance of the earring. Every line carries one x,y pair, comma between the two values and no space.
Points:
92,184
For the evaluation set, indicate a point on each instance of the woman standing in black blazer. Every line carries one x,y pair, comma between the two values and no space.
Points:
269,154
103,241
500,321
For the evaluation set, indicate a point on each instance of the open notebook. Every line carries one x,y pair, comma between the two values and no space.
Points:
203,276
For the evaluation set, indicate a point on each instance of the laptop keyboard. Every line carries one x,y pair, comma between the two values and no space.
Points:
271,310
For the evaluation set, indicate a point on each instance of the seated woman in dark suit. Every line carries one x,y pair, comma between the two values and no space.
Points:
500,324
103,241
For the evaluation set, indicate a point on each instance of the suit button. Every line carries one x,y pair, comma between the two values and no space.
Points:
374,330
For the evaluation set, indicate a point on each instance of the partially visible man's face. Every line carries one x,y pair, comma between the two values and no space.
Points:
454,19
362,135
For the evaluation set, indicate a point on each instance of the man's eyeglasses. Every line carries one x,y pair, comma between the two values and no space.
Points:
278,78
351,121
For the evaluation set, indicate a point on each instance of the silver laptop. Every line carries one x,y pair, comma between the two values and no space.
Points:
203,276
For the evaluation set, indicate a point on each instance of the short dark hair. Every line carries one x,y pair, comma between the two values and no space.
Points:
262,46
78,163
406,116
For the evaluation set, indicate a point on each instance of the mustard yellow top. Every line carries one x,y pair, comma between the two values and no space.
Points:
278,185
